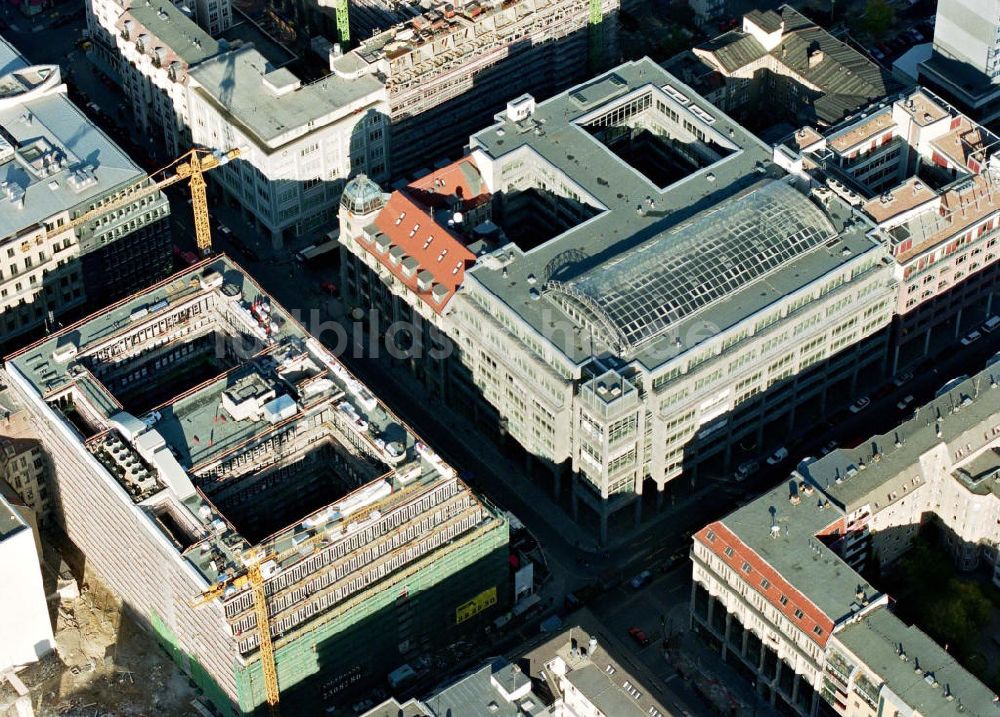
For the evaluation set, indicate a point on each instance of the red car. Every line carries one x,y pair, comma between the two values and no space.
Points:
639,636
328,287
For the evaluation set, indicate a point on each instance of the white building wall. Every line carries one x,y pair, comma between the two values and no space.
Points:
25,630
126,549
967,30
294,182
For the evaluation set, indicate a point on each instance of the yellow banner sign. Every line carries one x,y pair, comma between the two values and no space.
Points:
486,599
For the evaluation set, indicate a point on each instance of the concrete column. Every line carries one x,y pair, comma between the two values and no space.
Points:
725,634
795,688
691,610
744,642
814,704
958,322
989,303
927,341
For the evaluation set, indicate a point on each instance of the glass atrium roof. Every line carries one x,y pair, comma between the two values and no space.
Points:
644,291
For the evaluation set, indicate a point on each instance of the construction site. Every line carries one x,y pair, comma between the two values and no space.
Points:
253,504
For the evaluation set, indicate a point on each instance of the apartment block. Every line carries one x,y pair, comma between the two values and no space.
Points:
779,63
926,174
408,95
450,67
212,17
157,45
299,142
24,618
964,64
24,464
196,428
55,165
646,292
776,584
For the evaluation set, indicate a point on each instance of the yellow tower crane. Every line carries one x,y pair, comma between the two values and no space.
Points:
191,166
253,578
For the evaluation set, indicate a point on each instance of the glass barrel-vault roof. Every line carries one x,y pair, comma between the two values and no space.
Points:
645,290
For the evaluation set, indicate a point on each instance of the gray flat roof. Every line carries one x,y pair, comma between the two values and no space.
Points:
474,695
51,123
928,674
965,408
638,216
235,83
175,30
811,568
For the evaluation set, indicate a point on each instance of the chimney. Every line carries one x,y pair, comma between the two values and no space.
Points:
592,647
815,57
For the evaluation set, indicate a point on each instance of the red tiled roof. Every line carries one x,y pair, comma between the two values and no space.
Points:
778,586
459,179
412,228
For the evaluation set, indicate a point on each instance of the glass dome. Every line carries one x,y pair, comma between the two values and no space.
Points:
362,196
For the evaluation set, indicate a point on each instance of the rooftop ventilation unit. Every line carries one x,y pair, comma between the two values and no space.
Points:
81,179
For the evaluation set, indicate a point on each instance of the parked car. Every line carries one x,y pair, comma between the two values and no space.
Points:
904,404
971,338
676,559
902,378
861,404
777,457
828,448
746,469
641,580
951,384
878,55
990,324
639,636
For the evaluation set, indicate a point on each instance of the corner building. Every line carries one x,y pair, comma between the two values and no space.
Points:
646,291
195,427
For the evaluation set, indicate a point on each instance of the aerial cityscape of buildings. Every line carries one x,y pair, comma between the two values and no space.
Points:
536,358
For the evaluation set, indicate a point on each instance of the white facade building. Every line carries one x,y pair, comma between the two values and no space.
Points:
298,142
655,305
157,45
965,59
55,164
928,176
776,588
24,614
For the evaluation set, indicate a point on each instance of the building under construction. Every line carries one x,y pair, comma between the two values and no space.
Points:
449,67
199,434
